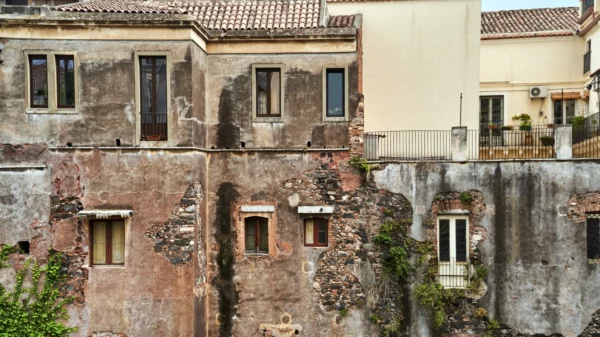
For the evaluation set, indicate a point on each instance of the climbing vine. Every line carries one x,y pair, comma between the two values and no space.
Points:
34,311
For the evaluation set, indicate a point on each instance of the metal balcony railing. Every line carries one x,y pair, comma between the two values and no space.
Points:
153,127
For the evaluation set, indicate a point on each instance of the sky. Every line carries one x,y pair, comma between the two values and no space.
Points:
496,5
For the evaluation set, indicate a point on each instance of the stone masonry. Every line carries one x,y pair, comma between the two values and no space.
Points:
175,237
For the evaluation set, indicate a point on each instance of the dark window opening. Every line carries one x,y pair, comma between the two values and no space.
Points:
593,239
118,142
461,240
316,232
23,247
336,99
444,240
16,3
108,242
65,80
257,235
38,81
268,92
491,114
564,111
153,92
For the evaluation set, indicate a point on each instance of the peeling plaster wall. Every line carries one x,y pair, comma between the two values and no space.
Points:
539,279
149,295
105,87
229,101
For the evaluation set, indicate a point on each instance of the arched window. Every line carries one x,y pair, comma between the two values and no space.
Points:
315,232
257,235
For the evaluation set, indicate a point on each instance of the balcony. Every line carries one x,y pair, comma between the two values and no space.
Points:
488,143
154,127
587,62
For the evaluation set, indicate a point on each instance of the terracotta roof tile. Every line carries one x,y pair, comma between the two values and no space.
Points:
220,15
341,21
529,23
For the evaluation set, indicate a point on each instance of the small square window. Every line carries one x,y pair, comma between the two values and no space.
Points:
256,235
268,92
108,242
593,239
316,232
38,81
336,93
17,3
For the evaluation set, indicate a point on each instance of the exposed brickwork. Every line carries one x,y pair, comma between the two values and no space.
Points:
357,218
76,252
580,204
357,130
175,237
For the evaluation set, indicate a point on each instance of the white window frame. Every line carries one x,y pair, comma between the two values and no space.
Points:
281,68
346,100
448,271
52,77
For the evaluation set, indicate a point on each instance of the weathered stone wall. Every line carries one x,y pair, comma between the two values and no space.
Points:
539,280
229,102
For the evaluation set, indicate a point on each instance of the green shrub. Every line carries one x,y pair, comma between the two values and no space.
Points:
466,197
578,123
35,311
344,312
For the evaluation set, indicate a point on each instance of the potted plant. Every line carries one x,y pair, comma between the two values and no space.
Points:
547,140
550,126
525,126
492,126
506,127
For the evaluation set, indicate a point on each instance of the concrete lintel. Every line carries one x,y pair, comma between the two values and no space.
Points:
258,208
106,213
315,209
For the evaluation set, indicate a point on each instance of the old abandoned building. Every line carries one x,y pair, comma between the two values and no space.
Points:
204,169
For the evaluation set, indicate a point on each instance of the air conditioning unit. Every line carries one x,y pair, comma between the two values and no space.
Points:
538,92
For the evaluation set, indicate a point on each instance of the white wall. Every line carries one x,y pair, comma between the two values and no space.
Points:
510,67
419,56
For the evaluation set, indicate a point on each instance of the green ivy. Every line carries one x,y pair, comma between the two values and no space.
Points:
35,311
363,165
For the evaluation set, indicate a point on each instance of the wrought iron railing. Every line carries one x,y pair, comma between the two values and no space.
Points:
454,274
153,127
587,62
529,142
586,141
408,145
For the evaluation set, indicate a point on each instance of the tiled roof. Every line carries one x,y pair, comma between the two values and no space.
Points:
341,21
119,6
230,15
265,14
529,23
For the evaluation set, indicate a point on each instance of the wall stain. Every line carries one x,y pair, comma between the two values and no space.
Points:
225,237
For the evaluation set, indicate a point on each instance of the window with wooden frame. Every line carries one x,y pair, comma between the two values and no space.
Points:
18,2
108,242
256,235
65,81
336,92
38,81
153,98
316,232
268,92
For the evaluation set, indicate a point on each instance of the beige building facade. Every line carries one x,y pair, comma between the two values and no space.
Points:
417,62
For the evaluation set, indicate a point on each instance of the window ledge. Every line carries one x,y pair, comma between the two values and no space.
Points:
336,119
256,254
46,111
267,120
106,266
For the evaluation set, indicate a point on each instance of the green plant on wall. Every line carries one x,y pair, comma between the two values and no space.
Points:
363,165
525,120
578,123
34,311
466,197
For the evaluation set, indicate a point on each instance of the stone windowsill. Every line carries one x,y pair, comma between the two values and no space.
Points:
47,111
267,120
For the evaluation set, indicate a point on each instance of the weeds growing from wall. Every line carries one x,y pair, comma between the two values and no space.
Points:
34,311
363,165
